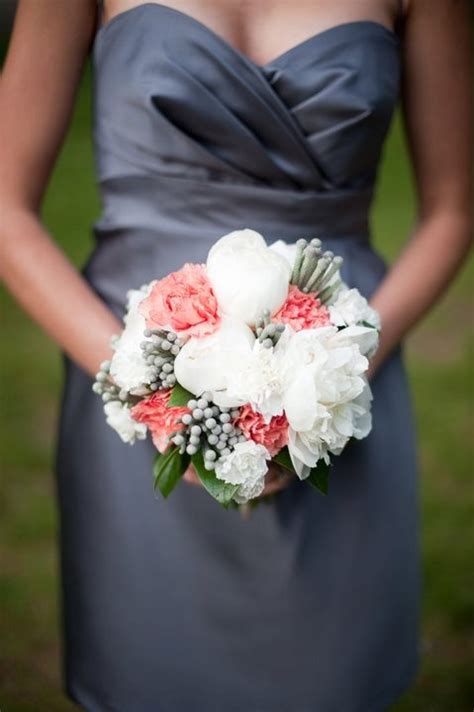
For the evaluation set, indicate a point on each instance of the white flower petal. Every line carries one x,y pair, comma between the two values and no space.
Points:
351,307
299,401
245,466
328,398
302,458
285,249
119,418
128,367
262,377
246,276
365,336
208,363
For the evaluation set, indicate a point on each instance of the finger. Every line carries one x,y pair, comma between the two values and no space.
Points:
278,472
276,485
191,476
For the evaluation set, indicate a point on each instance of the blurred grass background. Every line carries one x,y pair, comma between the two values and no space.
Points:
439,356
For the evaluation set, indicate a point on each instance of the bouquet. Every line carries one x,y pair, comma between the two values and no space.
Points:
257,356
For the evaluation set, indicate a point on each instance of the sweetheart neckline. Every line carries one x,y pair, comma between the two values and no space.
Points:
102,31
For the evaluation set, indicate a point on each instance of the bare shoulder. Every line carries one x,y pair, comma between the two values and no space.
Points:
73,17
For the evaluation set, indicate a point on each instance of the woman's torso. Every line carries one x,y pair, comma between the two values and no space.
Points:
196,133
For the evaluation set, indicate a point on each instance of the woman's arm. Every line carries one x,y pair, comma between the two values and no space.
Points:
49,44
437,108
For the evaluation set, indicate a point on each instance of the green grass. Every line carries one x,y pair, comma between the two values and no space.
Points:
439,354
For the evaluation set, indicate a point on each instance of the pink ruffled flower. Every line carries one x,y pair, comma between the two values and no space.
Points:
184,302
273,435
161,420
302,311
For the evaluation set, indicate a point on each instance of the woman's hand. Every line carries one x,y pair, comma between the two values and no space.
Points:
277,478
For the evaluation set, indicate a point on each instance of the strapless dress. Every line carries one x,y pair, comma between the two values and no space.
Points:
177,605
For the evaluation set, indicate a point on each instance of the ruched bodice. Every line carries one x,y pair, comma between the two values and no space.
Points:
175,605
173,98
193,139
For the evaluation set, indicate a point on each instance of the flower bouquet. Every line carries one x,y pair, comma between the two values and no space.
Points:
260,355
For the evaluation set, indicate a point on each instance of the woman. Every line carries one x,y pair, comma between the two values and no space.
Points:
210,117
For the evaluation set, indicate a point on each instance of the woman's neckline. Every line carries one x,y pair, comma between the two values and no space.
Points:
320,35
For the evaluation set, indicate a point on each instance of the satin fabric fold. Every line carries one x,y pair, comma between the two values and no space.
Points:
310,120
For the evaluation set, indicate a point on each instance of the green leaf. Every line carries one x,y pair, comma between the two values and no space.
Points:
221,491
367,323
179,396
319,477
283,458
168,468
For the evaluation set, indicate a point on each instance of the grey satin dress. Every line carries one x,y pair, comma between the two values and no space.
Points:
177,605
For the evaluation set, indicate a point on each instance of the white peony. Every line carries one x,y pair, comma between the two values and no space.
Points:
287,250
247,277
331,432
207,363
263,376
119,418
128,367
366,337
245,466
351,307
328,399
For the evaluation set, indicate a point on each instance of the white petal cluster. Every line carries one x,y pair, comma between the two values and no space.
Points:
328,400
366,337
316,376
245,466
350,308
128,367
262,378
119,418
247,277
208,363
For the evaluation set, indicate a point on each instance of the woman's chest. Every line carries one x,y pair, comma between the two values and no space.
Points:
264,29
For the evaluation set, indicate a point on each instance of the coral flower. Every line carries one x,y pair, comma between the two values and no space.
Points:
302,311
272,435
161,420
183,302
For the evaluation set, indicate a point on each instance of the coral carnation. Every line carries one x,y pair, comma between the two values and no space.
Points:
183,302
302,311
161,420
272,435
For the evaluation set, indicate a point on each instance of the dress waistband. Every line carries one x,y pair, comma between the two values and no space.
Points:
174,205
